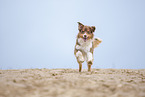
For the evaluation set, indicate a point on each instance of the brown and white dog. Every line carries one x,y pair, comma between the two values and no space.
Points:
85,45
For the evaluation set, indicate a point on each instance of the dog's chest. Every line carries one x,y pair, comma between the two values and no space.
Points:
85,46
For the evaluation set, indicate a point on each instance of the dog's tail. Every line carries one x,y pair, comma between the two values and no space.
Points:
96,42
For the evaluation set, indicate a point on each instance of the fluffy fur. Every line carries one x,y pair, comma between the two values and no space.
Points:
85,45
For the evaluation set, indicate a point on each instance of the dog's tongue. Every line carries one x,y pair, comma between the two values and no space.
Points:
85,39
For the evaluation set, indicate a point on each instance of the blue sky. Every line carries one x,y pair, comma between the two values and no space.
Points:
42,33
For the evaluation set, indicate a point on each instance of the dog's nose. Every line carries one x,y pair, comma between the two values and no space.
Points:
85,36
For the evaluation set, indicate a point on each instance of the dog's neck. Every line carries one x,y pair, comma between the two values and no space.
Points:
82,42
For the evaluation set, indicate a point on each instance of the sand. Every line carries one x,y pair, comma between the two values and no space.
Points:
71,83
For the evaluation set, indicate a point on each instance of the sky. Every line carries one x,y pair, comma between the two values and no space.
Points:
42,33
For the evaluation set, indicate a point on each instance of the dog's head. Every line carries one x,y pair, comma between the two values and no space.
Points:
85,32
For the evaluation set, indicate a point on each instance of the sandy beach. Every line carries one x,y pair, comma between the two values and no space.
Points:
71,83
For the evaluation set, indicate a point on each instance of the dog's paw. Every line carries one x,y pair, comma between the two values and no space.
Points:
89,57
78,47
81,59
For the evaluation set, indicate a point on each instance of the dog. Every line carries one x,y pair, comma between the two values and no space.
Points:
85,45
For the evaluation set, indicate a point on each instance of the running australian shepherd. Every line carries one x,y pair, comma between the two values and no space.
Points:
85,44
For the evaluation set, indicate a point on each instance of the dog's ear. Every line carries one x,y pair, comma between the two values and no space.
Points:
80,27
93,28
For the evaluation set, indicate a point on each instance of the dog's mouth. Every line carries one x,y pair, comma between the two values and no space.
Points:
85,39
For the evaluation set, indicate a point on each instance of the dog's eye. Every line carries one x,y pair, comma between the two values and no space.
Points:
83,31
88,32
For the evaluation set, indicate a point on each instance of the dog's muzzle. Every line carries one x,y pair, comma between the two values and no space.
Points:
85,38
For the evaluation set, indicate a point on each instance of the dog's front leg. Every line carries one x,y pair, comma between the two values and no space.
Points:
89,60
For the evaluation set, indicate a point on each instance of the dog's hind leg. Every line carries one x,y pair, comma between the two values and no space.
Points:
80,66
89,60
80,59
89,65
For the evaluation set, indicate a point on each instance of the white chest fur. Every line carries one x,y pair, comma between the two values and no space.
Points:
85,46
